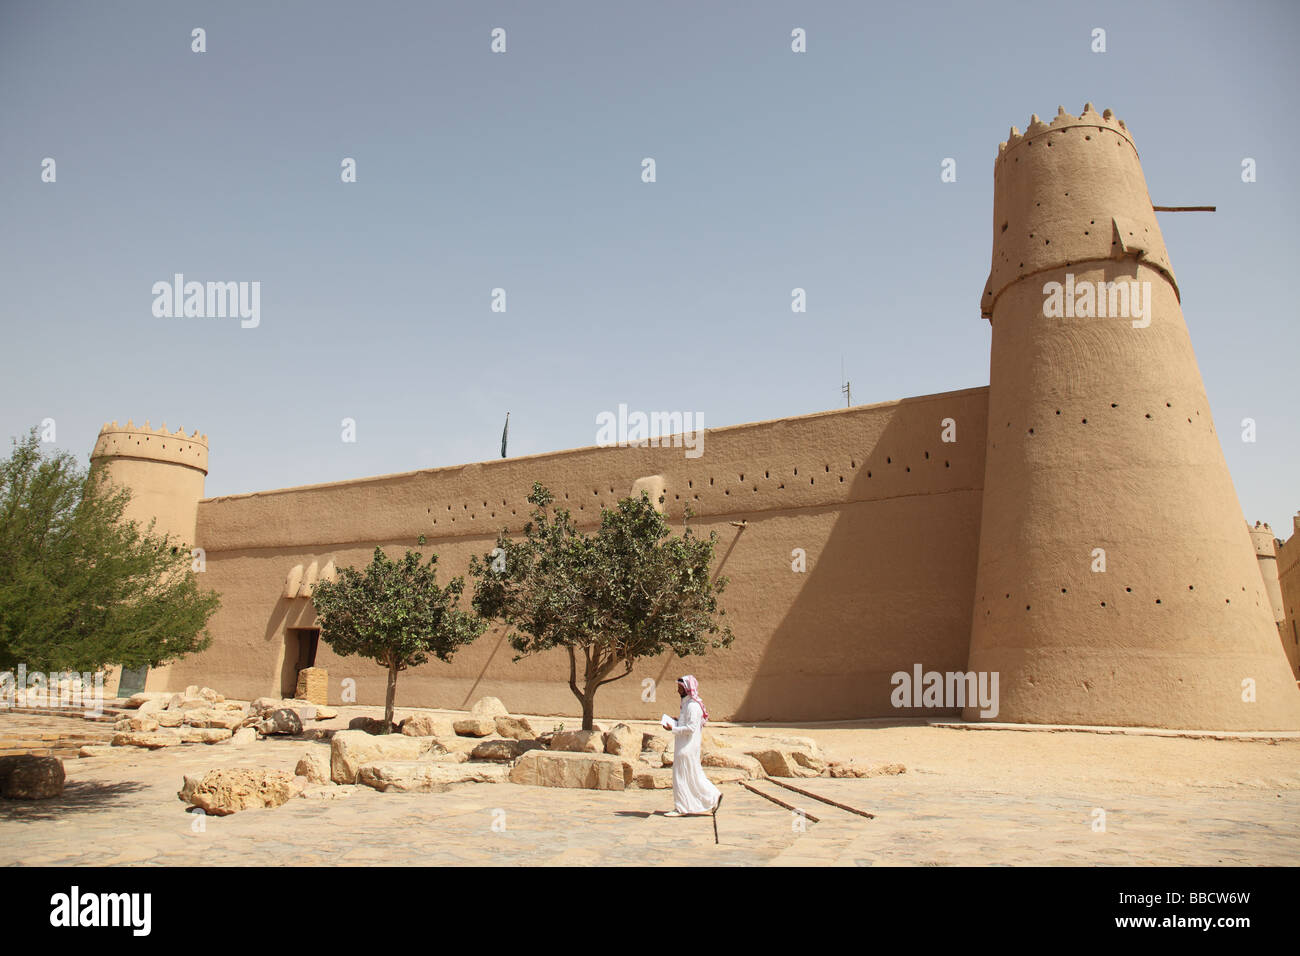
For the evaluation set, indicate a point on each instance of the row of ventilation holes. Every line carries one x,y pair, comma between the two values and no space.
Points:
690,483
187,447
1084,421
1127,590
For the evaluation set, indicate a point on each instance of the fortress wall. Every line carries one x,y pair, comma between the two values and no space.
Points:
1288,566
887,514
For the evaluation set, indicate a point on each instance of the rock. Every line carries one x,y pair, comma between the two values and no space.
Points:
327,792
264,705
174,701
654,779
210,695
516,728
140,699
779,762
734,760
488,708
29,777
503,749
152,741
221,719
808,762
97,750
192,690
371,725
204,735
313,685
709,742
145,724
152,708
655,743
169,718
475,726
579,741
623,741
329,713
839,769
222,792
806,744
572,769
243,737
314,765
194,703
718,775
666,758
455,744
423,776
428,725
283,721
350,750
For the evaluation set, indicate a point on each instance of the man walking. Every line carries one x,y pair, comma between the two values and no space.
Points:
693,792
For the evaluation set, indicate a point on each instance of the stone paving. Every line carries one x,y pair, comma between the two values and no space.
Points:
962,802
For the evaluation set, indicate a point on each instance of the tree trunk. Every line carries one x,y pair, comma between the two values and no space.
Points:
588,707
392,697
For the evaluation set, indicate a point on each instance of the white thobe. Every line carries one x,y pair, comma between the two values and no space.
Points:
693,792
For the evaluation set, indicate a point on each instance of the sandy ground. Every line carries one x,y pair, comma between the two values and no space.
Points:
968,797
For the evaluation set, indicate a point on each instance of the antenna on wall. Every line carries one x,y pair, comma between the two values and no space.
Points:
847,387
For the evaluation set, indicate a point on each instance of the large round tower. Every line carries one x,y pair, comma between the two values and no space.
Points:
163,470
1116,583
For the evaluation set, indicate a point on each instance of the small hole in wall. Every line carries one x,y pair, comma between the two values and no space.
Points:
766,475
812,481
868,472
1128,589
1058,411
908,469
1062,590
1026,607
796,471
828,469
1157,600
841,481
1114,405
710,482
1004,227
946,465
1085,421
1103,603
1148,414
888,460
927,455
1031,431
1190,588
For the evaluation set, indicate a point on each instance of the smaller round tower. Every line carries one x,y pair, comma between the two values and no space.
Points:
163,470
1261,536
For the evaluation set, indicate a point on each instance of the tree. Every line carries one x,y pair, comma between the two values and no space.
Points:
394,613
630,591
81,587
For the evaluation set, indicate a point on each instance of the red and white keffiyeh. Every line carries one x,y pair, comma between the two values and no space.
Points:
693,692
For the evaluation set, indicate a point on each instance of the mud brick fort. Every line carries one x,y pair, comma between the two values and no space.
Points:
1081,536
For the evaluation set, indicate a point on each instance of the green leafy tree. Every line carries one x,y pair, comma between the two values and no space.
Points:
631,590
81,587
394,613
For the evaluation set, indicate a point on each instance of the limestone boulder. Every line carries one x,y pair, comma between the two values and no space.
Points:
328,713
572,769
145,724
315,766
372,725
264,705
579,741
227,791
350,750
780,762
734,760
326,792
839,769
502,749
282,722
152,708
169,718
623,741
28,777
243,737
721,775
424,776
488,708
138,700
215,719
666,758
660,778
655,743
210,695
428,725
516,728
475,726
150,741
808,761
205,735
458,744
97,750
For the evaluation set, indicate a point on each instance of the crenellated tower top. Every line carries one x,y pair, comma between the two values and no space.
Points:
152,444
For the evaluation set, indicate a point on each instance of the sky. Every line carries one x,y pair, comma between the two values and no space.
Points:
522,171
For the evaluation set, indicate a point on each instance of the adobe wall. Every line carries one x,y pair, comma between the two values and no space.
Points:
887,513
1288,568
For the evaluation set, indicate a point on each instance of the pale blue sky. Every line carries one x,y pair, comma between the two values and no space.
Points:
522,171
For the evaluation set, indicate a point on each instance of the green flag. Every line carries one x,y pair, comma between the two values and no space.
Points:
505,434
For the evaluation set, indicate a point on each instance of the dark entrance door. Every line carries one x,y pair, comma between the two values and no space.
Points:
299,652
